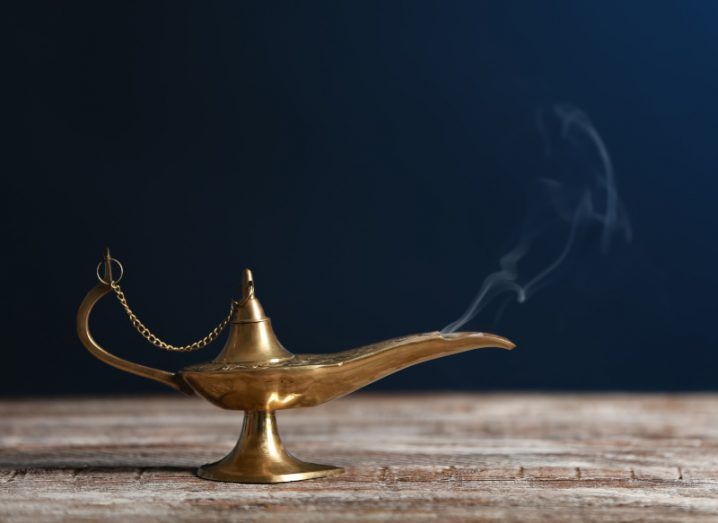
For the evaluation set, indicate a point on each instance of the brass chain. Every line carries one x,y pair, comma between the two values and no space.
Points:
154,340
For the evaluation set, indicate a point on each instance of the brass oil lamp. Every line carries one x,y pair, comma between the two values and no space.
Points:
256,374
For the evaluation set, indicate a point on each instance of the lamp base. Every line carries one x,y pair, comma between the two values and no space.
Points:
260,457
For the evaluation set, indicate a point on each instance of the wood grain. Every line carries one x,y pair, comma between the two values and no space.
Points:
440,457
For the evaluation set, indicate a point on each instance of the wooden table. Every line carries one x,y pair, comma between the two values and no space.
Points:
419,457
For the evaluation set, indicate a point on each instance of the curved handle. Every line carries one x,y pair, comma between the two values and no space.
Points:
170,379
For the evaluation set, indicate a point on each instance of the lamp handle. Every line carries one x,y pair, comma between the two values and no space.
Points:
171,379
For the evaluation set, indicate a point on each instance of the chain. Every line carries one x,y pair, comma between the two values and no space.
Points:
154,340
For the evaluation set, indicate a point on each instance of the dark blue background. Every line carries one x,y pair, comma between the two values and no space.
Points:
369,161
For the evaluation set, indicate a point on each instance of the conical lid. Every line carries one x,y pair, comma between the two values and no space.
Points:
251,337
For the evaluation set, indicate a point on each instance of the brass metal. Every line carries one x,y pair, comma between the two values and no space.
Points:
259,457
256,374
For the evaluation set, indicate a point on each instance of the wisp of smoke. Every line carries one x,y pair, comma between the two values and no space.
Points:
582,193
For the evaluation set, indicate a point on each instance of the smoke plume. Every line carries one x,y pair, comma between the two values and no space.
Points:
582,194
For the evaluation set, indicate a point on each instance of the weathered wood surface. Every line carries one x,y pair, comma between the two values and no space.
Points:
441,457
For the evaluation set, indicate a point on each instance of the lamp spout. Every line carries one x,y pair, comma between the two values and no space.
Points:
357,368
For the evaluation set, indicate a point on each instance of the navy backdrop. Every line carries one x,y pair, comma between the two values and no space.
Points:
370,162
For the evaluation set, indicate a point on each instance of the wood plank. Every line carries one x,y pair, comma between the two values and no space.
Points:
419,457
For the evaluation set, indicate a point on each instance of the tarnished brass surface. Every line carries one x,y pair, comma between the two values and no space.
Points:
256,374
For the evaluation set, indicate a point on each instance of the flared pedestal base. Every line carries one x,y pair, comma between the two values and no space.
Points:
259,457
298,471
